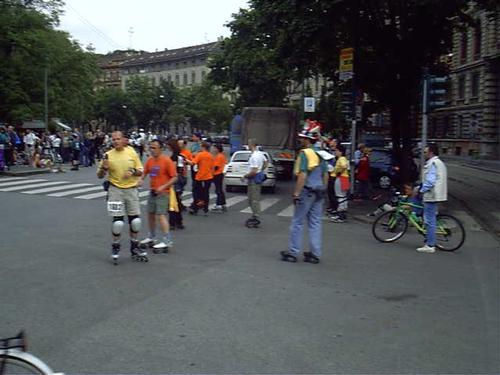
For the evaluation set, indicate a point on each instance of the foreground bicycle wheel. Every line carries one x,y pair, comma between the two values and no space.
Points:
390,226
17,365
450,233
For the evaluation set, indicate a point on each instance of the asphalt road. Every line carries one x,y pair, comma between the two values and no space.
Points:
222,302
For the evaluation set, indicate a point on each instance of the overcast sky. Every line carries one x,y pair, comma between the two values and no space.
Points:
156,24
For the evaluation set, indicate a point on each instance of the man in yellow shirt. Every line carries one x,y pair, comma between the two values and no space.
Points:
124,169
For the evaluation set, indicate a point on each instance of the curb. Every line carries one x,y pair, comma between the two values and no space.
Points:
25,173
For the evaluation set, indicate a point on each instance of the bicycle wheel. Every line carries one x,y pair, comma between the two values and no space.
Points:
450,233
390,226
24,363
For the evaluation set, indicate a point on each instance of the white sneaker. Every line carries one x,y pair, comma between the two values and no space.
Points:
426,249
163,245
146,241
216,208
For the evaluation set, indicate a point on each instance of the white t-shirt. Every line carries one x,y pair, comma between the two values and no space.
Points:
257,160
56,142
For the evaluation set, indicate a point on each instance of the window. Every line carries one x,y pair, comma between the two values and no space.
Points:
203,74
153,81
460,124
185,79
461,87
475,85
169,77
193,77
177,80
463,47
477,42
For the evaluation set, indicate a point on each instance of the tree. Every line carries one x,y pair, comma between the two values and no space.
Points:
247,63
29,46
393,41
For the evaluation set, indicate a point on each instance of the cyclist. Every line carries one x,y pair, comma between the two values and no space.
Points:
434,187
124,169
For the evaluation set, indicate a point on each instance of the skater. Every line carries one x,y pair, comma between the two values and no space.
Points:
204,162
124,170
342,185
255,177
308,196
219,163
162,174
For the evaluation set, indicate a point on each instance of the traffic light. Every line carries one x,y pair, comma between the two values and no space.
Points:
436,93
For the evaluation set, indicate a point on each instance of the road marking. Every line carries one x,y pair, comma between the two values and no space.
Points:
235,200
467,220
12,183
264,204
12,179
92,196
77,191
35,185
47,190
287,212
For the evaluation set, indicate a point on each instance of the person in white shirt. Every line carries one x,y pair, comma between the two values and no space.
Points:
257,165
30,140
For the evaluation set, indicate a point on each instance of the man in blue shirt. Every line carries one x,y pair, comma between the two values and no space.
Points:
435,189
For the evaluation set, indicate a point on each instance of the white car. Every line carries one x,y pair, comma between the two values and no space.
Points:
238,167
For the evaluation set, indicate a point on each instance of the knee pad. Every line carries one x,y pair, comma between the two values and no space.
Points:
135,223
117,226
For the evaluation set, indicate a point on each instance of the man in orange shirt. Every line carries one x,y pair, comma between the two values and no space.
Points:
205,163
163,174
219,163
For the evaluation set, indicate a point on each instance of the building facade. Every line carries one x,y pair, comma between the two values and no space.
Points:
183,66
110,65
470,123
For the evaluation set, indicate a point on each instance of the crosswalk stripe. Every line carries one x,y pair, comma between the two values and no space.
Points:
55,188
35,185
264,204
287,212
92,196
12,183
12,179
235,200
77,191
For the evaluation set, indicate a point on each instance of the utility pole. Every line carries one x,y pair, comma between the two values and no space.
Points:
425,110
46,94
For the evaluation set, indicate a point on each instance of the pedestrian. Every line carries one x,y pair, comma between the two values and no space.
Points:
175,216
342,185
308,197
194,148
435,189
163,175
204,162
124,170
10,151
30,139
358,154
332,199
4,144
363,175
255,176
66,151
76,146
219,163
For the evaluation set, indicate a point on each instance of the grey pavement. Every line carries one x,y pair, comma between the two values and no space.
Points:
223,302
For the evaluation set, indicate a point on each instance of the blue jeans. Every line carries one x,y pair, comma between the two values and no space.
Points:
309,207
430,211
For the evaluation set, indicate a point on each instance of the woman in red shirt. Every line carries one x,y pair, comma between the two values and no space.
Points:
363,175
218,172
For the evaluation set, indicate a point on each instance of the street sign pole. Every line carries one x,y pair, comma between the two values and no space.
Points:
425,103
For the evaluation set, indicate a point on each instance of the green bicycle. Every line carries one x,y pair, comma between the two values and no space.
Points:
392,225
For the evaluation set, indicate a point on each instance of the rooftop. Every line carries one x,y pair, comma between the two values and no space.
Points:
171,55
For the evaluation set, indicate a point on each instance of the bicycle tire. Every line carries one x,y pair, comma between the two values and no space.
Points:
17,363
452,228
381,226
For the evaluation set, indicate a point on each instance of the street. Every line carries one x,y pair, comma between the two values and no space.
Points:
222,302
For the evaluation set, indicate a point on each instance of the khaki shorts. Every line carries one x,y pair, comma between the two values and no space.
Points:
158,204
129,197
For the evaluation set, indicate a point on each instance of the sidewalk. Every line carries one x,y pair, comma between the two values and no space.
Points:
24,170
483,164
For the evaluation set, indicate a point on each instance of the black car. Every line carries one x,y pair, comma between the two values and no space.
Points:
385,168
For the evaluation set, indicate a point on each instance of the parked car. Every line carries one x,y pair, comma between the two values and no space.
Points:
385,168
238,167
